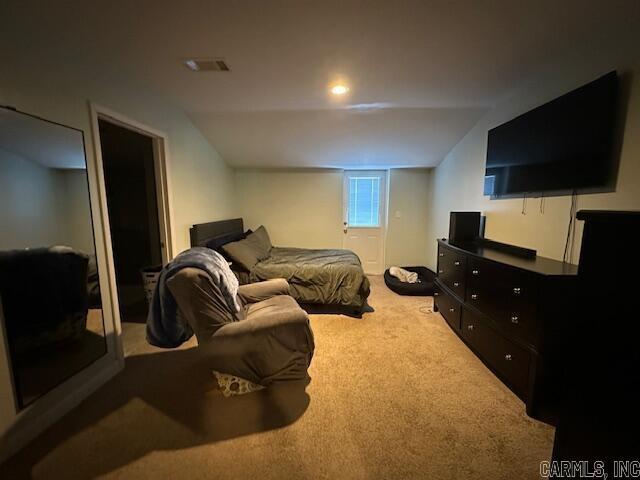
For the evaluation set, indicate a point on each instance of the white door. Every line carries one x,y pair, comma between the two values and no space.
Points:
365,217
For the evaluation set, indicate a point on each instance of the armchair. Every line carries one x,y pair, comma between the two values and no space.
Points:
269,340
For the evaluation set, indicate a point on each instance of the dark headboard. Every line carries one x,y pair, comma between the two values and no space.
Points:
202,233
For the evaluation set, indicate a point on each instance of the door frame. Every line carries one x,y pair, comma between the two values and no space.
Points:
384,207
163,189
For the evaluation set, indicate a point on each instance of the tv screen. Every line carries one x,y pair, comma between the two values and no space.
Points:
561,146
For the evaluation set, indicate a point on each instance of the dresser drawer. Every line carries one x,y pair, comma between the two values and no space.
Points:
448,306
505,294
451,269
509,360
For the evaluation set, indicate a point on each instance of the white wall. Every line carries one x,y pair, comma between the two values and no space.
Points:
458,180
76,213
303,208
408,236
29,196
299,208
43,206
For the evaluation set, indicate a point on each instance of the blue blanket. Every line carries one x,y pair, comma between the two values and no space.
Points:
164,327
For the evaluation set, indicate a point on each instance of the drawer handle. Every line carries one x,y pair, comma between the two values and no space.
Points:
475,272
440,271
456,284
470,327
517,291
457,263
441,254
436,294
474,296
515,319
507,357
452,309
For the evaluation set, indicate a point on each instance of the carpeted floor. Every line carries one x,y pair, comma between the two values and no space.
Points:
393,395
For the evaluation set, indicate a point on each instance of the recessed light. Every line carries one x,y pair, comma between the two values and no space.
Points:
339,89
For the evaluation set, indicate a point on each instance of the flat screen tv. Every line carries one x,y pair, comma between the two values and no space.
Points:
562,146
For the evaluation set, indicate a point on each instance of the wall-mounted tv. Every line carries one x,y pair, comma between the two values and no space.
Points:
562,146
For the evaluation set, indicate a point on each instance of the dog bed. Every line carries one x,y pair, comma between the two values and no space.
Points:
424,286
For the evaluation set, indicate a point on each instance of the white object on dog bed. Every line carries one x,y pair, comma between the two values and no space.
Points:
404,275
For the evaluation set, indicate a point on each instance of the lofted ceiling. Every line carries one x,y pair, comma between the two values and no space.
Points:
421,73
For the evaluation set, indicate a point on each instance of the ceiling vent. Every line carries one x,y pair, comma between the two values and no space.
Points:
207,65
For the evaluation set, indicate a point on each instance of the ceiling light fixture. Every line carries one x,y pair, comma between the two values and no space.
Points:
339,89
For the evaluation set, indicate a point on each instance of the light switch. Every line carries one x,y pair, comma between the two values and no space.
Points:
398,214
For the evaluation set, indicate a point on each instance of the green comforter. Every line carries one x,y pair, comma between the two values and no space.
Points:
330,277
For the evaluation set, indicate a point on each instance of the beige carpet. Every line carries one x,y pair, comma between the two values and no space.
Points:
393,395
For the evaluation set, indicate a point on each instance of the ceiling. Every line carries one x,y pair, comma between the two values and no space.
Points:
421,72
45,143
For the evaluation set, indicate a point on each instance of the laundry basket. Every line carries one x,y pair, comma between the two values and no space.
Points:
150,277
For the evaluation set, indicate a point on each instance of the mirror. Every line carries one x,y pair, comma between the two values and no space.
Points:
50,303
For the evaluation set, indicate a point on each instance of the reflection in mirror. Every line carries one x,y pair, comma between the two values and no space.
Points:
50,305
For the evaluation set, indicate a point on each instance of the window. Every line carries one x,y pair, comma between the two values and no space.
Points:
364,201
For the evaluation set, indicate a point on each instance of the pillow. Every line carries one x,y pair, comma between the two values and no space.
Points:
245,252
217,242
263,239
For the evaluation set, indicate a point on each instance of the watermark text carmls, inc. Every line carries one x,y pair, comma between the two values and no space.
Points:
586,469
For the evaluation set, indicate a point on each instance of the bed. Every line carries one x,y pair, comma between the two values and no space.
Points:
316,276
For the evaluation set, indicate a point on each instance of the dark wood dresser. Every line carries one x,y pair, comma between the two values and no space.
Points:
512,312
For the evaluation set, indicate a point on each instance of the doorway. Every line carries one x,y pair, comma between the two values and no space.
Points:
365,217
135,211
